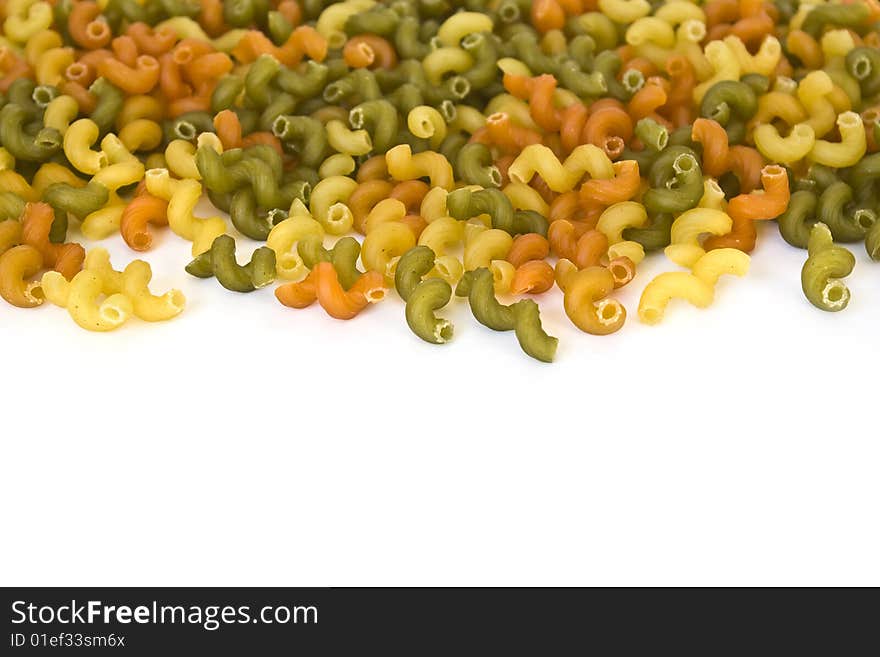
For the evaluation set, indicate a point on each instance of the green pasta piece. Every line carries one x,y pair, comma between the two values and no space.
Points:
608,64
655,236
582,84
758,83
11,206
826,266
406,97
78,201
360,83
281,104
407,41
306,83
864,176
258,80
474,165
482,48
427,297
797,221
863,64
822,16
377,20
872,242
305,135
598,26
681,191
653,135
245,217
189,8
344,256
485,307
529,332
379,118
219,261
412,267
452,145
311,250
528,50
462,204
21,93
279,27
729,101
21,145
582,50
846,222
44,94
108,105
226,93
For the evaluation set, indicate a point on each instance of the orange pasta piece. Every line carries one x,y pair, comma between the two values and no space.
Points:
87,32
228,129
713,138
532,277
142,210
322,285
211,17
372,169
13,67
410,193
565,206
609,128
291,10
133,80
79,93
746,163
805,48
721,11
590,248
204,71
189,104
303,41
547,15
623,270
622,187
571,125
500,131
364,198
645,66
416,223
539,92
125,50
369,51
36,222
261,137
526,247
171,79
646,101
745,209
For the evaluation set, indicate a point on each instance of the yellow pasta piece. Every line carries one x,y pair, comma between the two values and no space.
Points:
182,196
459,25
344,140
625,11
327,204
441,234
490,244
442,61
524,197
146,305
502,273
849,150
763,62
283,240
725,66
560,176
812,91
78,140
618,217
403,165
685,247
427,123
785,150
383,246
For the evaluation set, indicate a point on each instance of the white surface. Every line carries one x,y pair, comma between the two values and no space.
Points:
248,443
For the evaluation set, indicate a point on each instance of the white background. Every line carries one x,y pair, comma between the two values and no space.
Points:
245,443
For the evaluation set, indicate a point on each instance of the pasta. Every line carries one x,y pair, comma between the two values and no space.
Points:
489,149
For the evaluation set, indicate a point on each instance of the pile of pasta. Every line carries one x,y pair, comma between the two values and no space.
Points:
485,150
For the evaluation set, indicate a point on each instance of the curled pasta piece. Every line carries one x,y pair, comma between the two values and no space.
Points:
85,300
142,210
823,272
403,165
587,304
685,247
560,176
146,305
17,265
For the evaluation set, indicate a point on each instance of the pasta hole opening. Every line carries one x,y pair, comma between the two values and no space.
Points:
76,72
176,299
368,55
141,241
613,146
835,296
426,128
375,295
633,80
98,29
444,331
508,12
849,120
34,292
862,68
803,131
185,130
356,118
694,30
494,175
336,40
621,273
459,86
182,55
865,218
608,312
684,163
